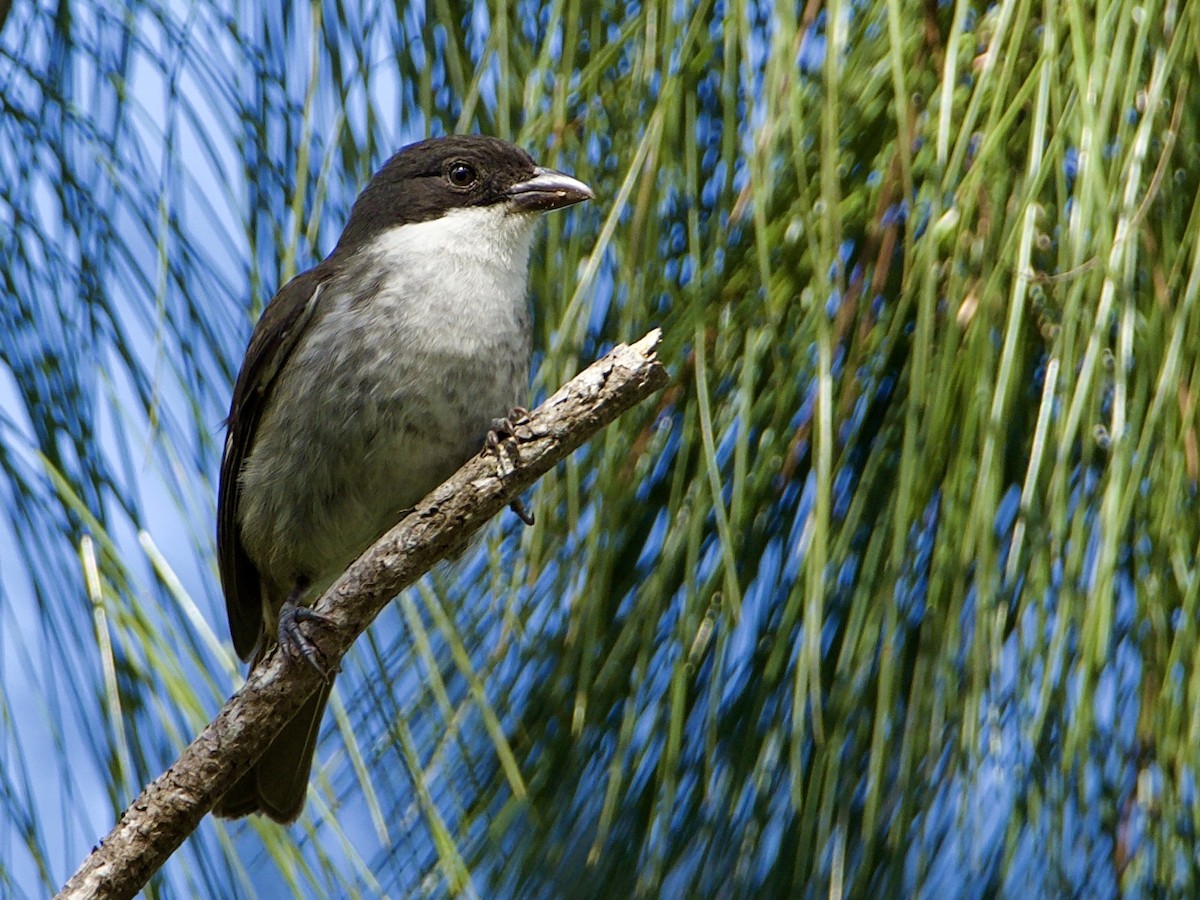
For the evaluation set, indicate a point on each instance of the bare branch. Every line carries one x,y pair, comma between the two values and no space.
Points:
170,808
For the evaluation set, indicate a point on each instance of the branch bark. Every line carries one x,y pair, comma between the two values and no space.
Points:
171,807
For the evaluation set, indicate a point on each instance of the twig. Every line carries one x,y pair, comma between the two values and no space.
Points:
171,807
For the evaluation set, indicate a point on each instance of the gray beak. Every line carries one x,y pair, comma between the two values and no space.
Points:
547,190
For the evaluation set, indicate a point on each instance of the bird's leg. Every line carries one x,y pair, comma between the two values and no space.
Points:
292,639
506,430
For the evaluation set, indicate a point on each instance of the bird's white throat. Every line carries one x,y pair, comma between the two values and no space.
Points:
489,238
468,269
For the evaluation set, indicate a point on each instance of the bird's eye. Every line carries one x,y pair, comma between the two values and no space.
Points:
461,175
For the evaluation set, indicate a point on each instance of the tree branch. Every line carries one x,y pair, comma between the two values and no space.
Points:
170,808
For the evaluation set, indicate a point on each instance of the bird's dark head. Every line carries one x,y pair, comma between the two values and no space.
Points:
427,180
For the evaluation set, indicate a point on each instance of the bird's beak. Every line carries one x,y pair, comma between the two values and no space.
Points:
547,190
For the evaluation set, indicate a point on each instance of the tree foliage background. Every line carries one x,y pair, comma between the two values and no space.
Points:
895,590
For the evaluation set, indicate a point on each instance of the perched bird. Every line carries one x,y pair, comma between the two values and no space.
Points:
368,381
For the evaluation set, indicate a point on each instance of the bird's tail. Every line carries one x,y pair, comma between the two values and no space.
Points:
277,783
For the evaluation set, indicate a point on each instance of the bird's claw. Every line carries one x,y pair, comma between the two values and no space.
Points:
505,430
294,642
523,514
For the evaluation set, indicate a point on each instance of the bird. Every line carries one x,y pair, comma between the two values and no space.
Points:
368,380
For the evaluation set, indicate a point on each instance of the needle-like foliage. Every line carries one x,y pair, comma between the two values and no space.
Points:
894,591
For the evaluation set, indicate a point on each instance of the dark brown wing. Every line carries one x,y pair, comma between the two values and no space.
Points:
274,338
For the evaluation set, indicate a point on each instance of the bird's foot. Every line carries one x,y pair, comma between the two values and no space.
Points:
292,639
504,431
